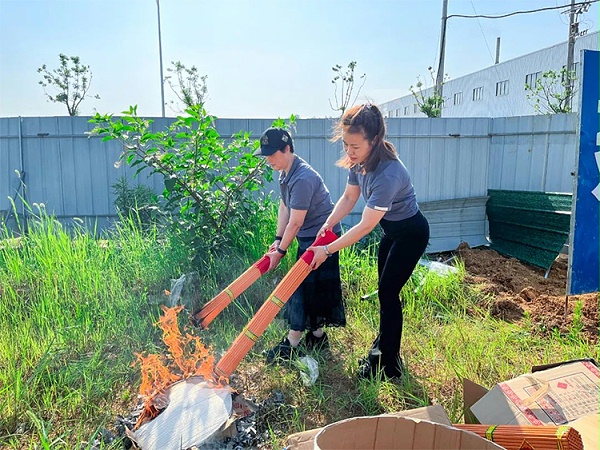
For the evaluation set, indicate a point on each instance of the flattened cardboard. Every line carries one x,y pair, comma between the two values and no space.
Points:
304,440
472,392
436,413
588,425
554,396
394,432
242,407
553,365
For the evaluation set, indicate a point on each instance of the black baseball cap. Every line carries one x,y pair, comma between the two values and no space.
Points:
273,139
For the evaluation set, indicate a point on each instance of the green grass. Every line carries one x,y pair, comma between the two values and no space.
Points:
75,310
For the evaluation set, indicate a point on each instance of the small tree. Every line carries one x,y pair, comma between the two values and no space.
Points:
187,84
72,81
344,81
431,105
552,93
211,184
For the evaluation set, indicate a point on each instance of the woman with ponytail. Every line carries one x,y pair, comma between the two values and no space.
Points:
376,172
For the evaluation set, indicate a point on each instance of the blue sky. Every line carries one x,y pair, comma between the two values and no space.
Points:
263,58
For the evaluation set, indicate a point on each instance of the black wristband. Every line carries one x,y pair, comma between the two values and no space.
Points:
281,251
278,238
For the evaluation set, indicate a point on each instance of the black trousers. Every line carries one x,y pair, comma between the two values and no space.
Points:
400,249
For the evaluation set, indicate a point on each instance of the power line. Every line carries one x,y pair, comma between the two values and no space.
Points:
495,68
482,33
549,8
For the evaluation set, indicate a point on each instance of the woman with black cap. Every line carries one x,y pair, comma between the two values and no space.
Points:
304,206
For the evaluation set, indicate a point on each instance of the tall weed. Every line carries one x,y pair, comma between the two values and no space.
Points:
74,310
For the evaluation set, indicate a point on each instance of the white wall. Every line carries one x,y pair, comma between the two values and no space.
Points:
515,102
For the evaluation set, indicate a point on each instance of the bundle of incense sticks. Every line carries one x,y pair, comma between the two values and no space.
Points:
214,307
520,437
267,312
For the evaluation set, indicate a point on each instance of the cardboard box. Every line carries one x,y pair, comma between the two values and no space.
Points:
554,394
399,433
433,414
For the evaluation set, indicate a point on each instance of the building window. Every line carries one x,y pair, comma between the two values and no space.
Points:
531,79
415,108
478,93
406,110
501,88
458,98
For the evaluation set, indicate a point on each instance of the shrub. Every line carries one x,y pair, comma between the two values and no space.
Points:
135,202
210,184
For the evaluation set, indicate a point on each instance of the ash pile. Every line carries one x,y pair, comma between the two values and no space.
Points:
251,426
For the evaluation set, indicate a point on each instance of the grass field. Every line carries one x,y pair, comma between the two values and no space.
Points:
74,311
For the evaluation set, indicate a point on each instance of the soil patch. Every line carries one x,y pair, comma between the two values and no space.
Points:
517,288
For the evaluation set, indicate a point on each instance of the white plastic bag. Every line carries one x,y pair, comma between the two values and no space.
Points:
309,370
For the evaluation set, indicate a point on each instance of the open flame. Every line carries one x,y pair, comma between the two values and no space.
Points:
187,357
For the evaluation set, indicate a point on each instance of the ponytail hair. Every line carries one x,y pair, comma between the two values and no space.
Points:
367,120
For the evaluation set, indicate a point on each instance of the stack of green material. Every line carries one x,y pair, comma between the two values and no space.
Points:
530,226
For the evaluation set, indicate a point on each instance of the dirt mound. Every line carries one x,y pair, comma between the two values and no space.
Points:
519,289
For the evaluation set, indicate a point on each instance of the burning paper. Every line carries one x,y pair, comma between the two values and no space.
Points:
196,411
185,403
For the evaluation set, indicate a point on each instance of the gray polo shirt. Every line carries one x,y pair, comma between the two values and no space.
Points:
388,188
303,189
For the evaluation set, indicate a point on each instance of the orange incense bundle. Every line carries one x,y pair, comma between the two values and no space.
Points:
212,309
521,437
267,312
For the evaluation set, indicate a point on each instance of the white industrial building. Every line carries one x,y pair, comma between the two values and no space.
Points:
499,90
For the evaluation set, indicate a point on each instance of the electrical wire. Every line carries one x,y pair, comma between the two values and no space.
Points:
494,67
548,8
483,34
563,19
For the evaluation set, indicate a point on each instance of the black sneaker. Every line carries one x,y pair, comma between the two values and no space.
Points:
311,342
371,367
282,351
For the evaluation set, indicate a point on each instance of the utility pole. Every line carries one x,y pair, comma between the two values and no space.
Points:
439,79
574,11
570,52
162,80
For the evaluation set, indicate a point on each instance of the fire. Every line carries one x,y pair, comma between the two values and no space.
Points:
187,356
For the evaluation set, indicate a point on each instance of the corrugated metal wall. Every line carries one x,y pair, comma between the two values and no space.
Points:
63,169
73,174
447,158
533,153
